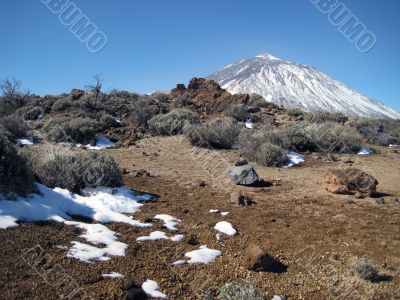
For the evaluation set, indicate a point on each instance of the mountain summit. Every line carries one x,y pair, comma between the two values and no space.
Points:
293,85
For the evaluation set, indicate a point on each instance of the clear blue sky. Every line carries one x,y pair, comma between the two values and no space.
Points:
154,44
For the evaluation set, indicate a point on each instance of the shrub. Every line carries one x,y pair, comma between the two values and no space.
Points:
172,123
107,122
294,112
231,291
143,111
15,176
55,129
271,155
325,116
294,137
257,101
332,137
77,171
373,131
82,130
364,269
239,112
15,125
222,135
61,104
29,112
4,132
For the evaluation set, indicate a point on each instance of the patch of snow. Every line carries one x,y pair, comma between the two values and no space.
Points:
118,121
160,235
169,221
218,236
225,227
101,143
214,211
113,275
179,262
151,288
27,141
104,205
96,234
365,151
203,255
7,221
394,145
249,124
225,213
294,159
276,297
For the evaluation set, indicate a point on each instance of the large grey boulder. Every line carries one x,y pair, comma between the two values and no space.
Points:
243,175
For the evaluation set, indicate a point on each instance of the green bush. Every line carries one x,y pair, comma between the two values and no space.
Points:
107,122
61,104
29,112
271,155
221,135
15,176
231,291
257,101
142,112
172,123
4,132
55,129
82,130
80,170
325,116
239,113
364,269
373,131
334,138
15,125
294,137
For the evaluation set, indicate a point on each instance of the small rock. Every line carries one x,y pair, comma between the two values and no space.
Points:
129,284
239,199
241,162
392,200
124,171
202,184
256,259
380,201
359,195
193,240
243,175
136,294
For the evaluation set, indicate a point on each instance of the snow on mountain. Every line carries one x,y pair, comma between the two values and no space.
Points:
294,85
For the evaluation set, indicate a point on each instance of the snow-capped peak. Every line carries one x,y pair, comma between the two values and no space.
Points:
266,55
293,85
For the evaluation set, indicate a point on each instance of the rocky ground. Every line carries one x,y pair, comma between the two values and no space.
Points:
315,234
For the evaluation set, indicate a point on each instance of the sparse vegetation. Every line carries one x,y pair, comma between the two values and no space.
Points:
61,104
80,170
173,122
294,112
220,135
231,291
373,131
29,112
15,125
325,116
271,155
294,137
107,121
142,112
364,269
334,138
15,176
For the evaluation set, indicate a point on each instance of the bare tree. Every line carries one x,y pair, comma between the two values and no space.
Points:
95,92
12,92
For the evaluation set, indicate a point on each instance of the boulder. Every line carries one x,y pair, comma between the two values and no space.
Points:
350,181
244,175
241,162
256,259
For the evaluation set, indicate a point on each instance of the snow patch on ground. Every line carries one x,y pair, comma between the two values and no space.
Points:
101,143
96,234
225,213
294,159
217,211
113,275
160,235
365,151
27,141
394,145
104,205
203,255
152,289
249,124
225,227
214,211
169,221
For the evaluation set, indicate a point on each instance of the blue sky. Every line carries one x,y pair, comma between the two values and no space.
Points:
154,44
